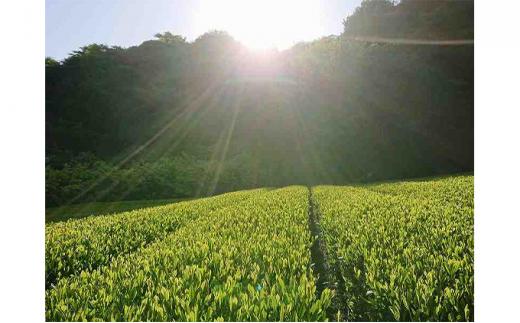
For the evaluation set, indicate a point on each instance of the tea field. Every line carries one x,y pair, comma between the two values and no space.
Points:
81,210
386,252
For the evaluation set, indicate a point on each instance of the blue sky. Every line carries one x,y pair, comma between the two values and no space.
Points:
70,24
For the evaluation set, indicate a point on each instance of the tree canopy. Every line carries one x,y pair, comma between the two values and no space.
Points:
335,110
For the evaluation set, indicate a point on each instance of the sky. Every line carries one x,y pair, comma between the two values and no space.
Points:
70,24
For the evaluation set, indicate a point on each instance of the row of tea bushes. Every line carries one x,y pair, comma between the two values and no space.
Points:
405,254
249,262
86,244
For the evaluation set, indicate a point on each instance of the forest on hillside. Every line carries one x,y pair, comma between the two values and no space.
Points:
386,99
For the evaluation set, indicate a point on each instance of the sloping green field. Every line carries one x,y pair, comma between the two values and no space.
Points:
78,211
394,251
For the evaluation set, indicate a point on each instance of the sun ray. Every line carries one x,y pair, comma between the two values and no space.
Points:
223,155
189,110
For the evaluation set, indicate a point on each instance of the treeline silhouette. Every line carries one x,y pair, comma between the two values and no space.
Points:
175,118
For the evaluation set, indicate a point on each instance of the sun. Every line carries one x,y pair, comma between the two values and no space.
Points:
262,24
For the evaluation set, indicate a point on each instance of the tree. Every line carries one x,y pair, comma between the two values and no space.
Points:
169,38
335,110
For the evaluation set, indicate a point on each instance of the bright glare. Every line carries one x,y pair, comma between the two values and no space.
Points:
262,24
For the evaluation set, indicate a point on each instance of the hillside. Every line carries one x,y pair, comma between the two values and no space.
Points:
398,251
171,118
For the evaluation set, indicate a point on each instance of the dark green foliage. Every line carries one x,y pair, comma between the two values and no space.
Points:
187,119
412,19
96,180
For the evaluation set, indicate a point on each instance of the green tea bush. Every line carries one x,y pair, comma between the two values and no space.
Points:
402,252
455,189
248,262
85,244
